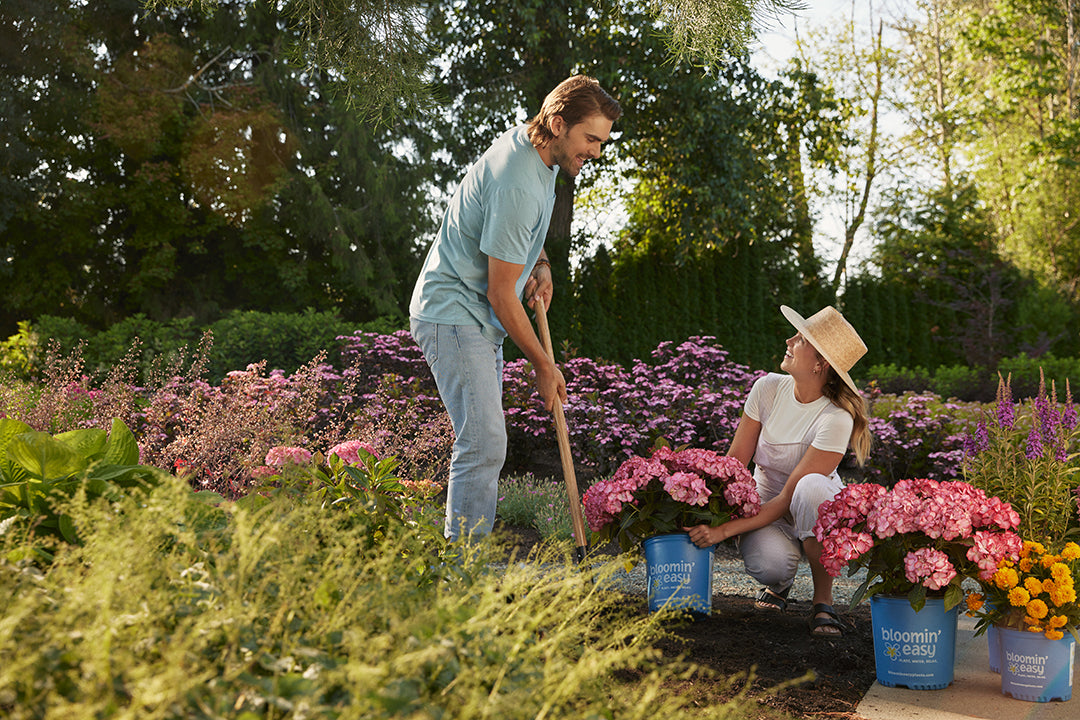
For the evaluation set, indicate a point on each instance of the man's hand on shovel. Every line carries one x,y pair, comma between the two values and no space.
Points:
563,436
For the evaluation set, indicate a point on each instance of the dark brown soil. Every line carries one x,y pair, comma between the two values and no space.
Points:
769,649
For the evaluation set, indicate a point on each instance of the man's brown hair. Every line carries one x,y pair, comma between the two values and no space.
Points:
575,99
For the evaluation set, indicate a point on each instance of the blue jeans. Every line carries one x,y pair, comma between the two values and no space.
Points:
468,370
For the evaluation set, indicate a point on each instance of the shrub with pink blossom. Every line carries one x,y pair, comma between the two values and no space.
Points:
349,451
921,537
667,491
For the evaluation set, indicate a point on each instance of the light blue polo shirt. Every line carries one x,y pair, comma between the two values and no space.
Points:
501,209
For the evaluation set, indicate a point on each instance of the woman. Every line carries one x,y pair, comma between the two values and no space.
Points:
796,429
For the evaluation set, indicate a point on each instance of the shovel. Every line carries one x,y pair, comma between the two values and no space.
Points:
564,442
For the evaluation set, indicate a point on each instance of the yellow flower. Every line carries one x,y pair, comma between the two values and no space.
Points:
1054,634
1025,565
1018,597
1006,578
1059,571
1057,621
974,602
1037,609
1030,546
1048,560
1062,595
1048,585
1033,585
1071,551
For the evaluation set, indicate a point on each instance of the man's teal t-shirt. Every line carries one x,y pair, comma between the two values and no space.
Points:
501,209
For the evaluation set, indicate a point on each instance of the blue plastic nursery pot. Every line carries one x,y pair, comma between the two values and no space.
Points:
678,574
1035,668
916,650
993,645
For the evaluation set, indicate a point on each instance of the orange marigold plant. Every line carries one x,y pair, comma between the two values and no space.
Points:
1036,593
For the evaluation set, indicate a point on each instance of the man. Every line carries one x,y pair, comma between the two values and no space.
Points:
489,251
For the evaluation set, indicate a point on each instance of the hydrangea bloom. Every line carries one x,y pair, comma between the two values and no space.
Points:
667,491
929,567
943,531
280,455
348,451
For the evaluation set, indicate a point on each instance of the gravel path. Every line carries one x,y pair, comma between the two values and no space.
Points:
730,578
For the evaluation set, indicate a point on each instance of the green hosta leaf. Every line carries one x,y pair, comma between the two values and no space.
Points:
9,428
44,457
86,442
122,448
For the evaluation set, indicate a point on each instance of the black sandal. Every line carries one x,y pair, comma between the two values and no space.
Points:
832,621
770,601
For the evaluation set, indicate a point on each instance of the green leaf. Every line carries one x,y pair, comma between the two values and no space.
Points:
43,457
859,594
67,529
9,428
86,442
917,597
122,449
953,595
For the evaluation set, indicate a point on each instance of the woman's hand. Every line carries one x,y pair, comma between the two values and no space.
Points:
705,535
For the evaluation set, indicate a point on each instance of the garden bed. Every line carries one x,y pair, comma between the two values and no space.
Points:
737,639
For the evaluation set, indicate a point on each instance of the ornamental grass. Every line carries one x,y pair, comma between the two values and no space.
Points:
174,608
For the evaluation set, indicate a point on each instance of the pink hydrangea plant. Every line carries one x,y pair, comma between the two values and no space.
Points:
669,490
280,455
921,536
349,451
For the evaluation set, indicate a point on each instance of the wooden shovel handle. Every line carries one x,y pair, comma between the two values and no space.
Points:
563,437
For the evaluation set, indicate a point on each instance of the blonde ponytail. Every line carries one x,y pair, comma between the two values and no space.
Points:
855,405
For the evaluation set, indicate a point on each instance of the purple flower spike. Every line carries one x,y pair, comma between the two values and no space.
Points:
1034,449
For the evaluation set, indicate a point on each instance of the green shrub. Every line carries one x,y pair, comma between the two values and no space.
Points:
963,382
893,380
178,609
979,384
39,471
286,341
19,352
1025,374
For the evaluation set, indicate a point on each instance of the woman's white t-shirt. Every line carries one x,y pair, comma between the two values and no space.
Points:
788,428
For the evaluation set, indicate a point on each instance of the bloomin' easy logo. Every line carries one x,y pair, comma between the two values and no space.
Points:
1027,665
910,646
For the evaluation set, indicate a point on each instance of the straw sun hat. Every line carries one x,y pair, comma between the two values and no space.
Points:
832,336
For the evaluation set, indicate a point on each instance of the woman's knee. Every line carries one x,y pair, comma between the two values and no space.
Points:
771,556
810,493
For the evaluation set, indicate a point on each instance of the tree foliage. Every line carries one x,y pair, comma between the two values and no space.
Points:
174,164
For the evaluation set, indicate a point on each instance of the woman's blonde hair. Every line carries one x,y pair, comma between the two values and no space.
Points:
576,98
854,404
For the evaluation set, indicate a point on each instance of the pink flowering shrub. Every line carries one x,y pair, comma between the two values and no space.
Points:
667,491
280,455
349,451
923,536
